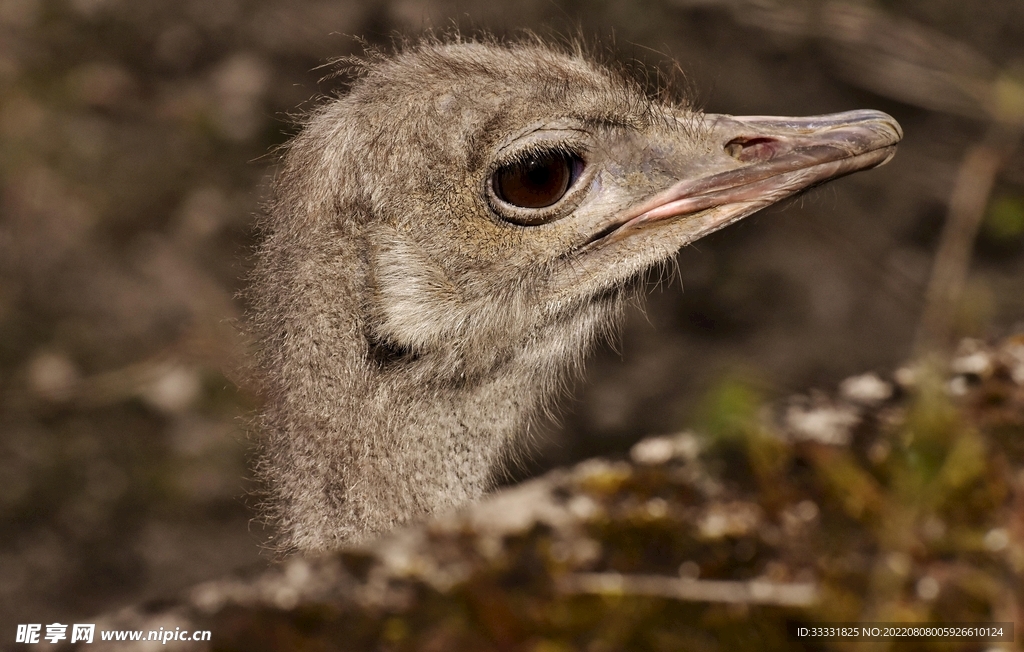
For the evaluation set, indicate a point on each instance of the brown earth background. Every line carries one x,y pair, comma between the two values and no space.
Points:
135,145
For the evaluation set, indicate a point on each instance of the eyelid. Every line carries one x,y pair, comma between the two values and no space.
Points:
544,137
570,148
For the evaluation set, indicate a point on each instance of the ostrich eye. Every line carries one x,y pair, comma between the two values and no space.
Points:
537,181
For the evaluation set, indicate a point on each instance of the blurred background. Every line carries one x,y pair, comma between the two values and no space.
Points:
135,140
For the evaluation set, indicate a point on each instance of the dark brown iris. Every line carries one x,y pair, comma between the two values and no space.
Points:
537,181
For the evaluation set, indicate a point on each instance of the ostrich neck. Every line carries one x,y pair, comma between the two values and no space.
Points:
386,444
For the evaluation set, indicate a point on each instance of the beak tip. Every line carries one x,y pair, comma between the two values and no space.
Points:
884,121
888,157
891,123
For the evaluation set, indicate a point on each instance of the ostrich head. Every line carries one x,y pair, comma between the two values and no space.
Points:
448,239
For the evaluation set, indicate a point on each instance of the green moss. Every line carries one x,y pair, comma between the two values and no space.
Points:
1004,220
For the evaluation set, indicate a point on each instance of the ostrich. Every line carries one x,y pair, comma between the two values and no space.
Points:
448,239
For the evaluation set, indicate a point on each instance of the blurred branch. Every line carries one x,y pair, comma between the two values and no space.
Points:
974,182
781,594
905,61
873,49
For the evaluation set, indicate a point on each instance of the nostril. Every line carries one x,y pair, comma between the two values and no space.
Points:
752,149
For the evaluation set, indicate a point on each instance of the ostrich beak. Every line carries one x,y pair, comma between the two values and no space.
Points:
755,161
